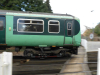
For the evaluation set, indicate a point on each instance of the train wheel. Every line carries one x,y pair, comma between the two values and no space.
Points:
17,49
28,53
75,51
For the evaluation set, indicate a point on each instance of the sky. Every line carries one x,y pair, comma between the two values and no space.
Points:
81,9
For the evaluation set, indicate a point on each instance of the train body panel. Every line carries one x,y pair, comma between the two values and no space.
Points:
77,39
14,38
24,40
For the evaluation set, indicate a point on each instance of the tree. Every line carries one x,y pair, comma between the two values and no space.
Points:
97,29
48,6
34,5
25,5
10,4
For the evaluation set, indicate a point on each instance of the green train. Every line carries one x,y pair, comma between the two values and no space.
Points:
41,33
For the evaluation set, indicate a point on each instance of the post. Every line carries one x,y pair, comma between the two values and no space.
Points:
6,63
98,64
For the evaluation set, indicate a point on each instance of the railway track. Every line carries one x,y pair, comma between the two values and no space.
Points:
74,65
24,66
93,66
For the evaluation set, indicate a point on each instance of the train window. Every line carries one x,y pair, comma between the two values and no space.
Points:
53,22
53,26
24,21
69,28
37,22
30,27
1,24
35,25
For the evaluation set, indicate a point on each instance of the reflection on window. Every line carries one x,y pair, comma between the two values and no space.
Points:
69,25
1,24
53,26
30,25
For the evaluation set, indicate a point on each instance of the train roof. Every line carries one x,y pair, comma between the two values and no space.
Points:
30,13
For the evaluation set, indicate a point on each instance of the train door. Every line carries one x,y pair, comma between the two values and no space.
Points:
68,38
2,30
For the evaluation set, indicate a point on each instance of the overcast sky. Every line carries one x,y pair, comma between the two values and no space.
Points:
79,8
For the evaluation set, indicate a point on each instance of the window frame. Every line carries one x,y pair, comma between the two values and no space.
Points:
30,23
54,24
69,29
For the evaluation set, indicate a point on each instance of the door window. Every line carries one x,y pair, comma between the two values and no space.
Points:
69,28
1,25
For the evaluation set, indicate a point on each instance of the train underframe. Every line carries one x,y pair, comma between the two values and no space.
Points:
45,51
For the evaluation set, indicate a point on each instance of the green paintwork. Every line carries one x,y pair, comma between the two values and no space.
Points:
2,32
38,15
77,38
37,40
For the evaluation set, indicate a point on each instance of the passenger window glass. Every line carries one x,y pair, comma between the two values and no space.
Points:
53,26
24,21
1,24
33,26
30,27
37,22
53,22
69,32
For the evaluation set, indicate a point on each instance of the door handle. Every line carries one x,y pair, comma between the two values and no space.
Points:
9,28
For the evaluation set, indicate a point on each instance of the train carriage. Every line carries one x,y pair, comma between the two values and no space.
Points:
40,33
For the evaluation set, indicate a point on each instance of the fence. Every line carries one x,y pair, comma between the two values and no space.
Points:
98,65
84,43
88,38
6,63
90,45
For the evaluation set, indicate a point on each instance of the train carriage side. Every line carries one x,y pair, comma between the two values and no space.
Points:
33,30
44,37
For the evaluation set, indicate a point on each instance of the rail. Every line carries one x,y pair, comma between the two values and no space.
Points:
98,64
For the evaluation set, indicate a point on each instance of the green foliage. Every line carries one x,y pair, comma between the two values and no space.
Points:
48,6
97,29
88,32
10,4
26,5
